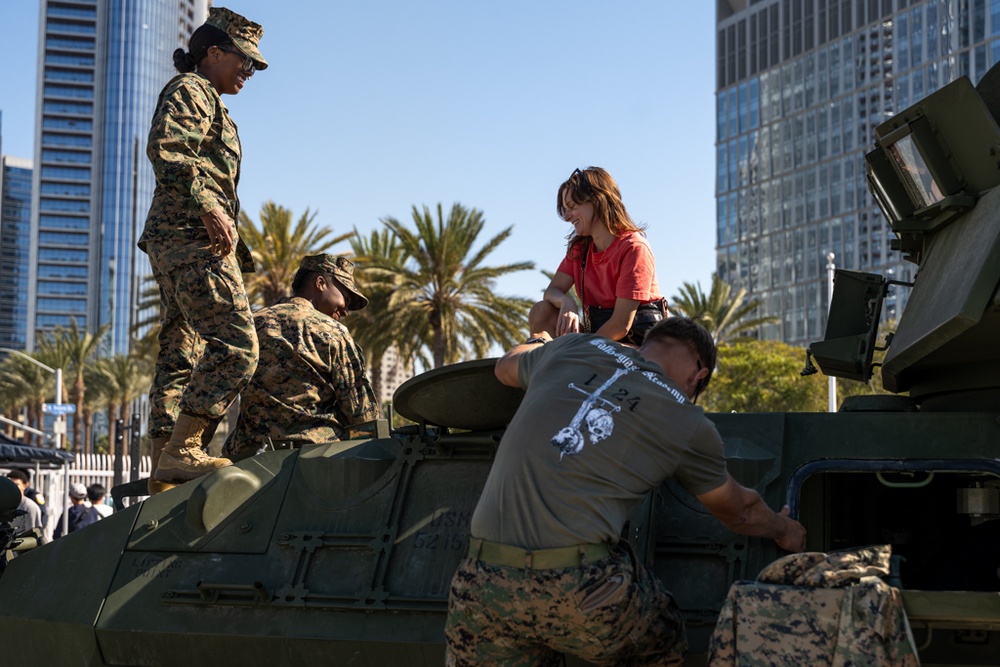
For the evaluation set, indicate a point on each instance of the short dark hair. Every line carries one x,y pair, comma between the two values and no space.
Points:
299,281
18,475
303,276
95,492
690,332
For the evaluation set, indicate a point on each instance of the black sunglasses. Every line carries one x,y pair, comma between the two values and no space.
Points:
249,66
583,183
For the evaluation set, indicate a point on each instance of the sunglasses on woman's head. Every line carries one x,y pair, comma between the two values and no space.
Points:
583,183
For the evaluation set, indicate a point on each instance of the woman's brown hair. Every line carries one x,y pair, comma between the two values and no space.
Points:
595,185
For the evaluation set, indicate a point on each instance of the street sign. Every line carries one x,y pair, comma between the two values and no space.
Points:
59,428
58,408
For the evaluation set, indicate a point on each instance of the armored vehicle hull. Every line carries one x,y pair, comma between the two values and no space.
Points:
342,554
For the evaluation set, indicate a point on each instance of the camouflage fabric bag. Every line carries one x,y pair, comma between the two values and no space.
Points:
816,609
828,570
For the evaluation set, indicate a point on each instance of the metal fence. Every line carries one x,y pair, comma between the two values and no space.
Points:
87,469
100,468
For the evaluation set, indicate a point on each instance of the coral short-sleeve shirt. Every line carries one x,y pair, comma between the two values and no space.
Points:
624,270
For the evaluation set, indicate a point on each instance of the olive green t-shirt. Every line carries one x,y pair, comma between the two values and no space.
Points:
599,427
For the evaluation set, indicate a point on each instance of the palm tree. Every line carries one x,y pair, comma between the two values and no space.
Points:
121,379
145,343
369,326
24,384
442,295
723,313
77,347
10,403
94,399
278,247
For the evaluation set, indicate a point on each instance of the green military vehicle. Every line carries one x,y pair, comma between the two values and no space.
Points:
341,554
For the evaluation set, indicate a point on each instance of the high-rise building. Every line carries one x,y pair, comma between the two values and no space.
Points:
15,224
102,65
801,85
393,371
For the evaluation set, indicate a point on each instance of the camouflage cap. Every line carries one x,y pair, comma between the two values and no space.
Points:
340,268
245,33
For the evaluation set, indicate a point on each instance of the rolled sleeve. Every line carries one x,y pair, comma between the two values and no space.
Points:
355,397
703,464
637,277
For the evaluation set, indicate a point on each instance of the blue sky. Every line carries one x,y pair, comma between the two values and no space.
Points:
372,107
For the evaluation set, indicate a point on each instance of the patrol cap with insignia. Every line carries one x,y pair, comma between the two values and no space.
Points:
340,268
245,33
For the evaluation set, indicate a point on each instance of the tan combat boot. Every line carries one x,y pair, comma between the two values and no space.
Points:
154,486
182,458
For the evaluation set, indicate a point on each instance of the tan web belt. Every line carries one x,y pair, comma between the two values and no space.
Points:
540,559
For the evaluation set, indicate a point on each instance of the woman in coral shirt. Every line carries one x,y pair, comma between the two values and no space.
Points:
608,261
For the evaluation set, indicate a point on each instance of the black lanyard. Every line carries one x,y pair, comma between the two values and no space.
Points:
583,297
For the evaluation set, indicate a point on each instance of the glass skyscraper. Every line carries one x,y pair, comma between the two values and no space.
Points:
801,85
15,224
102,65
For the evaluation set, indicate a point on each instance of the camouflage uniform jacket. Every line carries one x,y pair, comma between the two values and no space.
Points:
310,381
195,151
816,609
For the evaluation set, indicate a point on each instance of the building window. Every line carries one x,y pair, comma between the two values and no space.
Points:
59,238
66,156
69,43
63,222
62,288
52,106
68,189
66,173
78,124
77,28
74,76
68,91
72,12
75,140
65,206
46,304
61,271
51,321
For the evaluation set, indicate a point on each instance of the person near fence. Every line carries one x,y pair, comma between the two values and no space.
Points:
208,346
77,514
31,493
96,494
608,262
310,385
32,517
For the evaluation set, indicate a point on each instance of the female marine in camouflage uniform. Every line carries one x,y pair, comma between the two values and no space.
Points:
208,346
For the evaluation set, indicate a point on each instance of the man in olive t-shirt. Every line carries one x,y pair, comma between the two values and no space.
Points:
599,427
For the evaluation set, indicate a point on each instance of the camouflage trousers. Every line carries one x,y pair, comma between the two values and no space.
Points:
611,612
208,343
